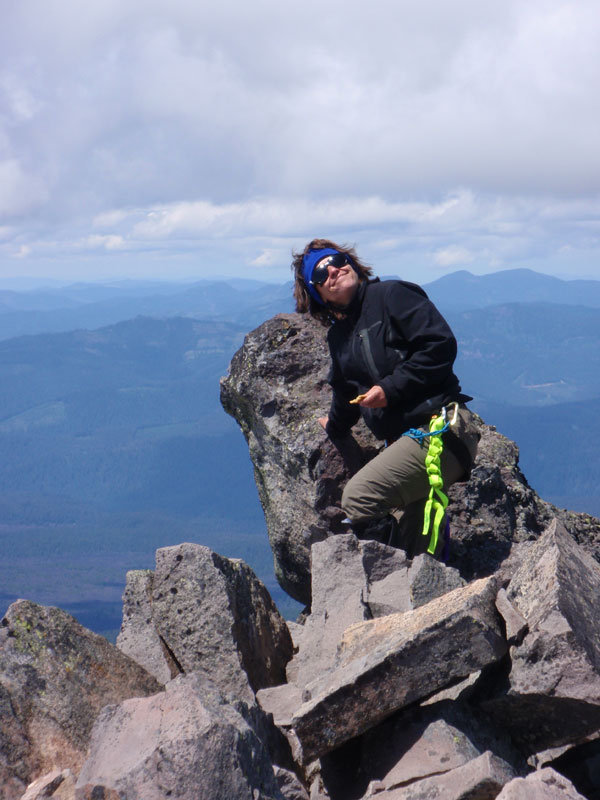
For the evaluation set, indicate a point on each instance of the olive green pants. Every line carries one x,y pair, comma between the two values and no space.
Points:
395,482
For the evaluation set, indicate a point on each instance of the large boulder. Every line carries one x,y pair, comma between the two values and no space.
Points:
186,742
138,637
55,677
553,692
546,784
420,742
205,613
388,663
479,779
353,581
277,388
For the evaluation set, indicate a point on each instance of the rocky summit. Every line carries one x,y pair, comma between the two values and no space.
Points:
403,679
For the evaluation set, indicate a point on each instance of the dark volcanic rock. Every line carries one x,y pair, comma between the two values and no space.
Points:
496,515
55,677
216,617
184,743
277,388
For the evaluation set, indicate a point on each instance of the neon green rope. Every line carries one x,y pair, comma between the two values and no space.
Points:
437,501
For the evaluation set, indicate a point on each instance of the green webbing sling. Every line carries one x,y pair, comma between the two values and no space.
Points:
437,501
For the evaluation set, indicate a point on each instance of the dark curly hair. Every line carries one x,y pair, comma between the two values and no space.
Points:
305,304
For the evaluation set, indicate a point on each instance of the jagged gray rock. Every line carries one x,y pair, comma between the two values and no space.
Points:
282,702
343,568
138,637
547,784
289,785
55,676
553,696
276,389
482,778
391,661
15,749
418,742
428,579
185,742
340,583
216,617
516,624
353,581
581,765
57,785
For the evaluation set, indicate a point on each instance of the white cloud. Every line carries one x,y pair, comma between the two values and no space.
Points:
20,103
279,216
20,193
106,242
417,128
109,219
23,251
453,255
271,257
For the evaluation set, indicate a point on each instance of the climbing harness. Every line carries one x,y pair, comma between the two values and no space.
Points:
437,502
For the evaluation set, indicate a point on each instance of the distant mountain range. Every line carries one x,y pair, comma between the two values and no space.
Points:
113,441
89,305
462,290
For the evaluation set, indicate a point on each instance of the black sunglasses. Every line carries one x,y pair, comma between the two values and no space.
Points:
321,271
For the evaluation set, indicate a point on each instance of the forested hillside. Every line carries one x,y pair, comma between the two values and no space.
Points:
113,443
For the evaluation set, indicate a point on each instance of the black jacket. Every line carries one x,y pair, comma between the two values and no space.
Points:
393,336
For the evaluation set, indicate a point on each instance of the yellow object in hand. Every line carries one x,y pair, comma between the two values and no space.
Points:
358,399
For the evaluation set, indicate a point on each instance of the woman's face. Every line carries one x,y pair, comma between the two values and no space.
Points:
340,286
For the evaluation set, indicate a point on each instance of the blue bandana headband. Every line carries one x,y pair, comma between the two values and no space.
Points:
309,262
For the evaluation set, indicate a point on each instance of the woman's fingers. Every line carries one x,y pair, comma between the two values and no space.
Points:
374,398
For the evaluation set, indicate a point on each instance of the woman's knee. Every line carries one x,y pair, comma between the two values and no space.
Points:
353,499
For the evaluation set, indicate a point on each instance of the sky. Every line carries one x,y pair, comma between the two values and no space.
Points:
170,139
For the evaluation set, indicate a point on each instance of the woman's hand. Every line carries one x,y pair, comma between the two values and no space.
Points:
323,421
374,398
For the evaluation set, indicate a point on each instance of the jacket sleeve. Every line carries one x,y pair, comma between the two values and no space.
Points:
431,346
342,415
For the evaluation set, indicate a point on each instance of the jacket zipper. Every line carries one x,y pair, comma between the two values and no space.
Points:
368,354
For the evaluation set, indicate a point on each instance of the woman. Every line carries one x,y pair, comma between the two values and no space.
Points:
392,355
